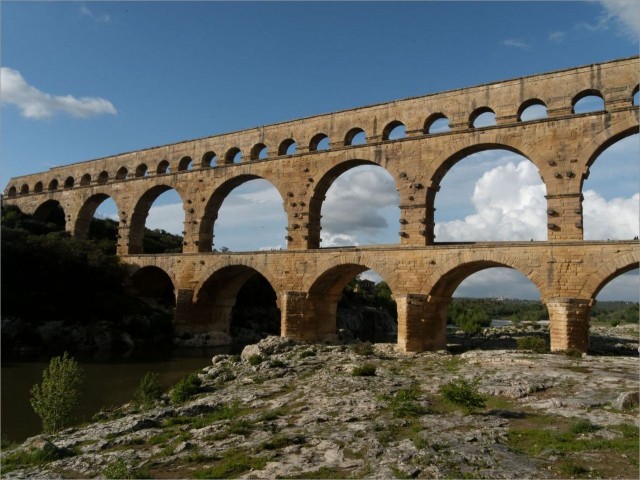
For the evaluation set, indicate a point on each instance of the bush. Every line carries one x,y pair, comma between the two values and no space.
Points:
536,344
365,349
307,353
366,370
119,469
255,360
148,390
56,398
583,426
185,388
462,393
404,403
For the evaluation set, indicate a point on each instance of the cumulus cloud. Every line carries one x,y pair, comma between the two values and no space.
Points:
38,105
509,204
622,15
166,217
615,219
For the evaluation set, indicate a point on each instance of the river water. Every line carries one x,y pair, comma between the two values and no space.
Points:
109,381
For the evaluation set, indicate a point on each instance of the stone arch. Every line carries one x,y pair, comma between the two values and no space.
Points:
532,102
216,295
315,141
141,170
359,262
140,213
122,173
103,177
351,134
590,92
215,201
154,286
86,213
163,167
607,272
232,154
285,145
24,189
69,181
320,191
257,150
53,185
391,126
50,211
38,187
13,191
184,164
432,119
85,180
476,113
602,141
208,158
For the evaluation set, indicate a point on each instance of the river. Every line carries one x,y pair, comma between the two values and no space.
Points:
109,381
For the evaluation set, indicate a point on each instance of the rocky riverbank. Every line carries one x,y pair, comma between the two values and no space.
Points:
289,410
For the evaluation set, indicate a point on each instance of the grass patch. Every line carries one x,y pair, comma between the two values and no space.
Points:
255,360
583,426
453,364
536,344
307,353
185,389
322,472
270,415
404,403
282,441
161,438
231,465
463,393
119,469
364,348
277,364
366,370
24,459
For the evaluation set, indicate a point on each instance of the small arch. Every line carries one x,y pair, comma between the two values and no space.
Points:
37,188
532,109
234,155
319,142
141,170
163,167
122,173
12,191
588,101
85,180
288,147
53,185
635,96
394,131
68,183
259,152
355,136
437,123
185,164
153,286
103,177
24,189
209,159
482,117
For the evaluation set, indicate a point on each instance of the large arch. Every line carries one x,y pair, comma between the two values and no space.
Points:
50,211
320,191
216,296
86,213
213,205
607,272
140,213
154,286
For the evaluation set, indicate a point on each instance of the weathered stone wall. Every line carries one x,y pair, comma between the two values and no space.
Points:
422,274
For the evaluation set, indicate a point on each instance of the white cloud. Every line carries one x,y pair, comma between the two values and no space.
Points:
615,219
498,282
98,17
337,240
166,217
515,43
557,36
38,105
622,15
509,204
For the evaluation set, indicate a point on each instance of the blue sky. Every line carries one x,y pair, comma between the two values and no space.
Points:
107,77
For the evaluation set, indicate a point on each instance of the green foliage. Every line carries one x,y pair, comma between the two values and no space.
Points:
280,441
186,388
160,241
277,364
463,393
148,390
462,310
381,297
366,370
536,344
119,469
364,348
270,415
30,458
615,313
232,464
307,353
255,360
583,426
470,319
404,402
57,397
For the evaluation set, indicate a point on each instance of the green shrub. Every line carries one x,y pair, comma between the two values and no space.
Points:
583,426
255,360
366,370
233,464
57,397
536,344
307,353
404,403
148,390
119,469
28,458
462,393
364,349
277,364
185,388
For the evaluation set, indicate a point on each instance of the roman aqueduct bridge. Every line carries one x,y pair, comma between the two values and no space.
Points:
423,274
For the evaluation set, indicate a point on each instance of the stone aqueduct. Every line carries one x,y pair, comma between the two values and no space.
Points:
567,270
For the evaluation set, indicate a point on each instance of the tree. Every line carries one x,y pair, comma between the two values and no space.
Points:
57,397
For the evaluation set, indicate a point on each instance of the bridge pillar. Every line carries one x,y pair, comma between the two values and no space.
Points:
564,216
422,322
293,314
569,323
